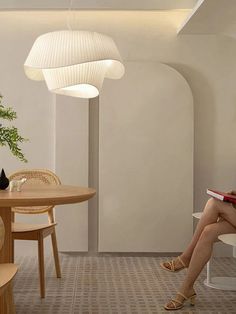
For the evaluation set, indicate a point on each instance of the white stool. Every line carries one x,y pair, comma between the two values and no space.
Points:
222,283
227,283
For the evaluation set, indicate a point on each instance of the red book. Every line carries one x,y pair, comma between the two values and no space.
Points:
222,196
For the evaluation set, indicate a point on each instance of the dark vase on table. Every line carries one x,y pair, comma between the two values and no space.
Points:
4,182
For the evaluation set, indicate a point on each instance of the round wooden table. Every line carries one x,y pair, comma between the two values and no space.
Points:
35,196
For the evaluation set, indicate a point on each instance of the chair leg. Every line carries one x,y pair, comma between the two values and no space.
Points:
12,251
10,300
7,305
41,266
55,254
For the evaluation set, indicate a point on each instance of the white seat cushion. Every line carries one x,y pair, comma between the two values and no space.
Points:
229,238
197,215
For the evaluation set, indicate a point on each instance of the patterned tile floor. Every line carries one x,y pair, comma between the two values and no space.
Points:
110,284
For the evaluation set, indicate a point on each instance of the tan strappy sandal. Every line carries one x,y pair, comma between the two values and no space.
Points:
172,265
177,305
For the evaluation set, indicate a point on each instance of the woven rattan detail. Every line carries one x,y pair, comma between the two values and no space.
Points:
35,177
2,233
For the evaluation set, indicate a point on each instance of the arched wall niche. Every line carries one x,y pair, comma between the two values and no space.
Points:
145,160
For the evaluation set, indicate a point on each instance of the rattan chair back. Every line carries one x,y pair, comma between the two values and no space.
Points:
35,177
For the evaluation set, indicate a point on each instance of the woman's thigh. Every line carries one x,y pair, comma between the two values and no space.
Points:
218,228
227,211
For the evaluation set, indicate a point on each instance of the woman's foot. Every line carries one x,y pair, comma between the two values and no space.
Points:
179,300
175,265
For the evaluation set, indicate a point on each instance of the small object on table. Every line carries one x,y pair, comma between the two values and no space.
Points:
17,184
4,182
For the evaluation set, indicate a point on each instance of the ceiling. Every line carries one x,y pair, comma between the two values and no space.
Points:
204,17
97,4
211,17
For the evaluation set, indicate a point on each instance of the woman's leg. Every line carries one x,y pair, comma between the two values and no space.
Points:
201,255
212,211
210,215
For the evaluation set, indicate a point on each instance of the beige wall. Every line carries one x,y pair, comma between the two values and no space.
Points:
71,165
207,63
145,161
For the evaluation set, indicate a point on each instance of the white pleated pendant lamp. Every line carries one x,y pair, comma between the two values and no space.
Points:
74,63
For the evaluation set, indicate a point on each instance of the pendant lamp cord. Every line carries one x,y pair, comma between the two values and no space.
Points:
68,19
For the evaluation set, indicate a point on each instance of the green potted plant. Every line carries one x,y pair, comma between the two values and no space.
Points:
9,135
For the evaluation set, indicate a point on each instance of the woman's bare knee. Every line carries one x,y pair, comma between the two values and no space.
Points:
212,202
212,206
209,233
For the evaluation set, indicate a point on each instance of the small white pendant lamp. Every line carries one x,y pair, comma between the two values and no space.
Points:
74,63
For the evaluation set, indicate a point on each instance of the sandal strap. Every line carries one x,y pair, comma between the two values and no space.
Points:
171,264
176,301
172,302
182,295
181,261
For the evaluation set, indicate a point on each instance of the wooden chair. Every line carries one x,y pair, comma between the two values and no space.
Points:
37,232
7,273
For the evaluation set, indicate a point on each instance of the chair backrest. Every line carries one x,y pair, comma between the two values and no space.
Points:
35,177
2,233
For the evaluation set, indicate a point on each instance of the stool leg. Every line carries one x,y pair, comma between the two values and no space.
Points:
208,272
